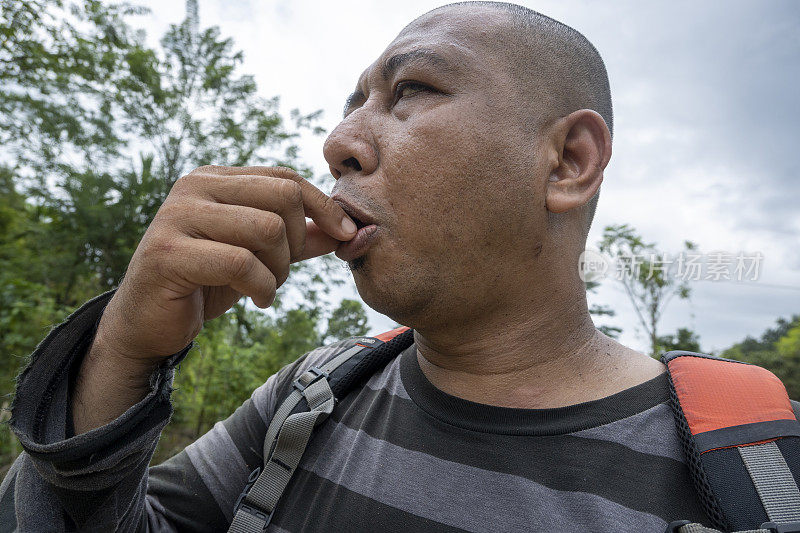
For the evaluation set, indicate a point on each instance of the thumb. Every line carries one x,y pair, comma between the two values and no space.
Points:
317,242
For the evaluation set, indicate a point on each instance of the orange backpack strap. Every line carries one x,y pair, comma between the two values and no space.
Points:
741,440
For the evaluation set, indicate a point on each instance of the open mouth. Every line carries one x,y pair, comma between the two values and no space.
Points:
354,214
358,222
364,237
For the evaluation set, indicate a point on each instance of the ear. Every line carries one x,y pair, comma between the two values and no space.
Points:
583,143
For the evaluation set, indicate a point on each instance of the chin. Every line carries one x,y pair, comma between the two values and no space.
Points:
393,288
357,264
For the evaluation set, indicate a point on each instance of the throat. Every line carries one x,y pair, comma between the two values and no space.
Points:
596,368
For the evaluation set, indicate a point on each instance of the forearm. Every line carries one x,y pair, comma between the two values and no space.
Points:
107,385
98,477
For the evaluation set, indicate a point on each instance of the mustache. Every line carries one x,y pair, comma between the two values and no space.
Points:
356,196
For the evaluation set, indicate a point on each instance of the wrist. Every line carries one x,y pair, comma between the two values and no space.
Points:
121,360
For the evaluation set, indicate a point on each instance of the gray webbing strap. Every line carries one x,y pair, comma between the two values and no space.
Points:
294,398
291,434
699,528
256,509
774,483
279,418
773,480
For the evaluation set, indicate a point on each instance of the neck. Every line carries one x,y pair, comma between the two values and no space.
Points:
540,353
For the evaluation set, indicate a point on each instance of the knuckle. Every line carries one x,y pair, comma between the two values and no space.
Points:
155,252
158,245
282,172
171,210
240,264
329,205
206,169
184,183
290,193
273,228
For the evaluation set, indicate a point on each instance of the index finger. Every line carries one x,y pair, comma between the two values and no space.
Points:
316,204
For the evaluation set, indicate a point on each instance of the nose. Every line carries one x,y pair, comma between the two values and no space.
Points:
348,149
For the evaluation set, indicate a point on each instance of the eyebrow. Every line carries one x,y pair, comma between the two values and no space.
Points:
391,65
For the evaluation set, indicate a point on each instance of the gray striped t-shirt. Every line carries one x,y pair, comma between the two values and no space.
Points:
396,455
401,455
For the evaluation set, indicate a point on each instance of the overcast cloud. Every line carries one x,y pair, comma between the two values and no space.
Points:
706,125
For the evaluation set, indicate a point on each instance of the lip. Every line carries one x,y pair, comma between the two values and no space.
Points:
365,236
354,211
358,245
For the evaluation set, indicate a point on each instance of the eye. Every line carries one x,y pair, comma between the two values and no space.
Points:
409,88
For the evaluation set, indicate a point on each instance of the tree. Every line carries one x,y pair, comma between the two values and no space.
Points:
777,350
347,320
684,339
647,275
599,310
788,367
95,126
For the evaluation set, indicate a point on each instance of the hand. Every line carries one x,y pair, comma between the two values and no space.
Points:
222,232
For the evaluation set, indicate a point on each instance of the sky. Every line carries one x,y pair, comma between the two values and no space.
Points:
706,118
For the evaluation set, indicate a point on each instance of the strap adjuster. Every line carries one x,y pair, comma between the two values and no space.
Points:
786,527
249,509
267,518
317,373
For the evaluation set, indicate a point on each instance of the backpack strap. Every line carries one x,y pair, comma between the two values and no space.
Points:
311,400
741,439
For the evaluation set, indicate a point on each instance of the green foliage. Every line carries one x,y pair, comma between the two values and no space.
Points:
347,320
684,339
647,276
95,127
778,350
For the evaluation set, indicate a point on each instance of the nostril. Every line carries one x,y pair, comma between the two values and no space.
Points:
352,162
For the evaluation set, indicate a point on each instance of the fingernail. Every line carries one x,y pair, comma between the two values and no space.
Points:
348,226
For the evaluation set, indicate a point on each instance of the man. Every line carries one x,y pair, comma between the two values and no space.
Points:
468,165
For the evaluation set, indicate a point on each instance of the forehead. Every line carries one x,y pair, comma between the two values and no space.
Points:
466,37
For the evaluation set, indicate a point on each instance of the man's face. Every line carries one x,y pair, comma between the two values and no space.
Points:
436,149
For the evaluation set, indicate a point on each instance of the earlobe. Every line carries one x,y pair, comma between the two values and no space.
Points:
584,145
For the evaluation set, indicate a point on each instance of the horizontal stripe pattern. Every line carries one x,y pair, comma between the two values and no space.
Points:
643,432
397,455
380,462
220,465
640,479
458,494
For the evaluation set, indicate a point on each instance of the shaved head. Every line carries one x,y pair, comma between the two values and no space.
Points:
557,69
476,142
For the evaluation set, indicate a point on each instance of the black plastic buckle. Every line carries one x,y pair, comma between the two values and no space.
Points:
258,514
249,509
674,527
318,375
788,527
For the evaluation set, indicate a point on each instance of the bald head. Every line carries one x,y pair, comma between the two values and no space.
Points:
554,63
557,69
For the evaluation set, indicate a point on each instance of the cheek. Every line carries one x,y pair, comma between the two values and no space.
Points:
454,182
